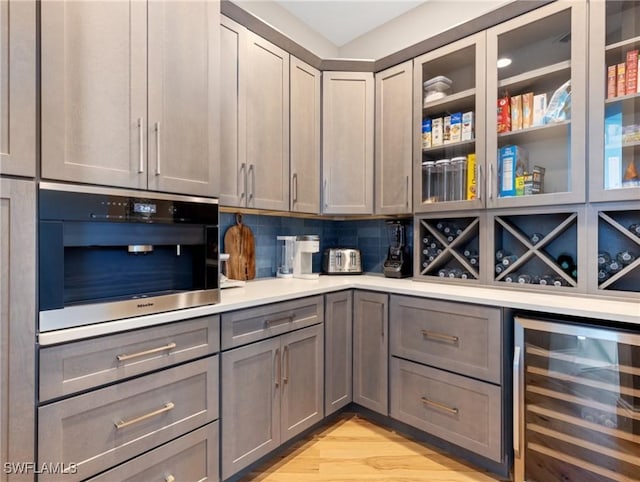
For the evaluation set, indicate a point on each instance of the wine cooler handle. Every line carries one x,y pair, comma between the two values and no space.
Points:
516,401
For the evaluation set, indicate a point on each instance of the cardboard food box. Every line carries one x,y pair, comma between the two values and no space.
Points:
467,126
512,163
539,109
534,181
446,130
426,133
504,114
621,82
472,187
611,81
527,110
456,127
631,84
516,113
436,131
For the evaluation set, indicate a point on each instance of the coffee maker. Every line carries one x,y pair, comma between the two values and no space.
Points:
305,246
398,262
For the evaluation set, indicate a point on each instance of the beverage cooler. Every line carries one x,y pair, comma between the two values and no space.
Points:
576,402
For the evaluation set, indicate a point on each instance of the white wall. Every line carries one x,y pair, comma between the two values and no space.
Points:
291,26
418,24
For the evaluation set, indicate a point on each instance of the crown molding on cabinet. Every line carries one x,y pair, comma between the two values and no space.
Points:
275,36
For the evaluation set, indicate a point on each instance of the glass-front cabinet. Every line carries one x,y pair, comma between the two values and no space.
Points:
614,101
576,402
536,107
449,113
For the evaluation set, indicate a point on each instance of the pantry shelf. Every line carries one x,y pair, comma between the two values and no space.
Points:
451,145
459,102
535,134
622,98
629,43
518,83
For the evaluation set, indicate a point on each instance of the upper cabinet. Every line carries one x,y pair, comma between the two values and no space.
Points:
347,144
254,166
393,146
305,137
130,94
18,87
536,114
614,101
449,121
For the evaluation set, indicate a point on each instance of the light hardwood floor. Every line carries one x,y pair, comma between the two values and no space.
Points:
354,449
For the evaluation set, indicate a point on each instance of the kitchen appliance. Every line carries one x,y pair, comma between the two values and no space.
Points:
285,253
341,261
106,254
398,262
305,246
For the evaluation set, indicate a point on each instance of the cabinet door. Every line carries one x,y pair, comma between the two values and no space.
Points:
18,87
614,107
347,145
338,359
251,378
267,124
536,154
183,129
17,324
305,137
393,153
233,171
370,351
94,92
302,380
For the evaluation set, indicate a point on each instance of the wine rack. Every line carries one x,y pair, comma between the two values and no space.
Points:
448,248
614,254
537,250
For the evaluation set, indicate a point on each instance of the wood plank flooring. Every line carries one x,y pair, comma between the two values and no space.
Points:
354,449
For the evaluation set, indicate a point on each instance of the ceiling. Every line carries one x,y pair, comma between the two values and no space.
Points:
342,21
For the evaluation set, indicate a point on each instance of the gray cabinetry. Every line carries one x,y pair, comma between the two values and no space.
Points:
347,144
338,358
371,350
305,137
17,324
137,105
18,87
255,132
393,135
271,391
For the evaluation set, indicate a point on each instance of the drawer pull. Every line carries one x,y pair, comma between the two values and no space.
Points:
167,407
278,321
434,335
125,357
170,478
440,406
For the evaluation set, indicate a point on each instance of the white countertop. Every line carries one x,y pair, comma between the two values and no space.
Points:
271,290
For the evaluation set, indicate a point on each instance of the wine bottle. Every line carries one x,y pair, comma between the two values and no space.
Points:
443,273
524,278
474,260
511,278
603,275
565,261
535,238
501,253
499,268
604,259
546,280
467,253
509,260
625,257
635,229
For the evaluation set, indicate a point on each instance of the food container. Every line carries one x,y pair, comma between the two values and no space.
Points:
429,193
459,168
436,88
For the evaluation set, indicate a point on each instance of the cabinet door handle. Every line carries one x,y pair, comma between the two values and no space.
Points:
278,367
490,182
141,139
479,185
157,148
434,335
285,356
440,406
243,179
295,188
274,321
407,191
324,194
167,407
252,173
516,401
129,356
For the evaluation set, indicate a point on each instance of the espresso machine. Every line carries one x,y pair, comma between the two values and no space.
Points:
398,262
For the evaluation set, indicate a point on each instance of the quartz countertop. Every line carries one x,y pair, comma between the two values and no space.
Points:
270,290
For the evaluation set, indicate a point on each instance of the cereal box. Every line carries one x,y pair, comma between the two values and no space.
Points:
512,163
621,82
504,114
527,110
426,133
456,127
446,129
436,131
516,112
631,84
467,126
539,109
611,81
472,188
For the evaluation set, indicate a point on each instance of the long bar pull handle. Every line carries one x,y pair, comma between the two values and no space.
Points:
295,188
285,357
243,179
490,182
479,185
440,406
252,173
169,346
141,140
166,408
434,335
407,191
274,321
157,148
324,194
278,367
516,401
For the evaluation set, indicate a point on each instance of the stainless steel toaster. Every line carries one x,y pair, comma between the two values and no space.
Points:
341,261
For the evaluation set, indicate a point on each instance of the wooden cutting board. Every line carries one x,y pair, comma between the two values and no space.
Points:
240,244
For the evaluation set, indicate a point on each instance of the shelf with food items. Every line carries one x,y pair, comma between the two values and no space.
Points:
554,74
449,248
449,179
536,249
452,129
459,101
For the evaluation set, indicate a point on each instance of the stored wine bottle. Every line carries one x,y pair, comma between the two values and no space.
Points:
440,225
458,231
524,278
455,273
499,268
467,253
565,261
474,260
509,260
501,253
625,257
603,275
546,280
604,259
511,278
448,229
574,273
443,273
450,238
614,266
635,229
535,238
557,281
466,275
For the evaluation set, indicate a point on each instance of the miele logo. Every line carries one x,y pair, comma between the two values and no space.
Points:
145,305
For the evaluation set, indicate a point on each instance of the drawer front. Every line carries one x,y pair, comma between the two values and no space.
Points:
191,457
246,326
82,365
103,428
462,338
459,410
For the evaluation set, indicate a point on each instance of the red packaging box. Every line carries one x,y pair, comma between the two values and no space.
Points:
611,82
504,114
621,84
632,72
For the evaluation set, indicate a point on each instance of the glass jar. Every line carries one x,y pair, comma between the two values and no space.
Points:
428,182
442,181
459,168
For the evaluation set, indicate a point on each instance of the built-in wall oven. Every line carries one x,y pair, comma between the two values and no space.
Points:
107,254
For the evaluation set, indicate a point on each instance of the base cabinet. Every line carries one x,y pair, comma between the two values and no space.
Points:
370,350
271,391
338,355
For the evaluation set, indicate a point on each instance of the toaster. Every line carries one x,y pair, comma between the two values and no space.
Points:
341,261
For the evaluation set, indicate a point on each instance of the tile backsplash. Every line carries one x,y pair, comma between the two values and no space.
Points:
369,236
